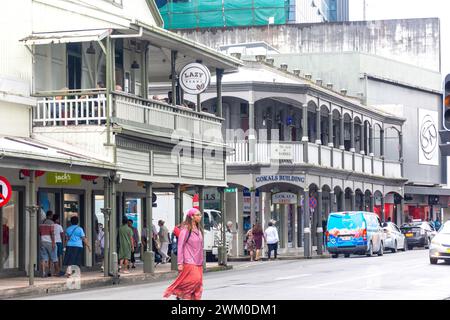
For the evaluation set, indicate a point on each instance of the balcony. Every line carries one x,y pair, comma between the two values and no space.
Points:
323,156
89,108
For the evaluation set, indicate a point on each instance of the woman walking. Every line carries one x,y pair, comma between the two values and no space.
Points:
258,235
250,241
75,238
189,283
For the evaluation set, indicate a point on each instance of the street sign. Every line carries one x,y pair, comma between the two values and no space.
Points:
312,203
229,190
5,191
196,201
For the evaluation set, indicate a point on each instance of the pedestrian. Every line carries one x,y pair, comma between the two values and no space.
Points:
100,245
324,230
164,241
47,249
75,237
229,237
389,219
250,242
437,223
258,236
125,245
189,283
59,236
135,242
271,234
174,238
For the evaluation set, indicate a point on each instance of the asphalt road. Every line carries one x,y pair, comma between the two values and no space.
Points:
403,275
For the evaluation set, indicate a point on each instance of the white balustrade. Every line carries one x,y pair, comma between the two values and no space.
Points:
377,167
325,156
313,154
367,165
359,162
348,160
240,154
392,169
337,158
297,149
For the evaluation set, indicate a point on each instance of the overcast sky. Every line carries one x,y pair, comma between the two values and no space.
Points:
402,9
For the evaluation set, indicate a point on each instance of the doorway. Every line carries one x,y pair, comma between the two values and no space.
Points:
74,61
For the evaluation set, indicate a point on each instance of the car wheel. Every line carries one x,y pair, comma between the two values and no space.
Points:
370,251
394,250
347,255
335,255
381,251
433,260
427,243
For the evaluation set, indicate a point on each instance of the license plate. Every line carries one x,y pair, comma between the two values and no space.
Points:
409,235
346,238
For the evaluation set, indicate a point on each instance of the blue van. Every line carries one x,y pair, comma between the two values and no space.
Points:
354,232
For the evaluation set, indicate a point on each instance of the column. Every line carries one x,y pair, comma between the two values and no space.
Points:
305,138
173,61
333,202
372,203
352,135
144,79
382,143
113,262
341,133
401,218
251,131
252,207
149,255
307,226
284,214
362,140
319,223
371,141
383,214
240,236
202,210
219,76
294,226
300,221
401,153
330,129
222,250
32,208
342,199
107,215
318,127
178,217
352,201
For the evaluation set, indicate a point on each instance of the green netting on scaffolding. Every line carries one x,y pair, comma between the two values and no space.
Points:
186,14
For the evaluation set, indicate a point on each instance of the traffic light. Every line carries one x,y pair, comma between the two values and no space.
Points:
446,104
433,200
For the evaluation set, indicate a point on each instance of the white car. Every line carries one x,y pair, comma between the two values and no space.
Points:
440,245
395,240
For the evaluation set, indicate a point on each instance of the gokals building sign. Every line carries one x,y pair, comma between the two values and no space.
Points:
195,78
267,179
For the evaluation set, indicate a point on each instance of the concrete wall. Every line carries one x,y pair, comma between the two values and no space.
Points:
14,119
413,41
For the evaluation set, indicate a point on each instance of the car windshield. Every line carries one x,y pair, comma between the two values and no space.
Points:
445,229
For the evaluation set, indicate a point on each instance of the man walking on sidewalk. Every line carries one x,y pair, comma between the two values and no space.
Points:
164,241
125,245
271,234
47,250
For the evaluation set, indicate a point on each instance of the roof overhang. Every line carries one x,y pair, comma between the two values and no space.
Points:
66,36
436,191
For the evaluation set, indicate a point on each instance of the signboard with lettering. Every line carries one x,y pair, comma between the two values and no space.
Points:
284,198
194,78
281,151
297,180
63,179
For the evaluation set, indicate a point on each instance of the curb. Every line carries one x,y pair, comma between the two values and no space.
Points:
58,288
285,258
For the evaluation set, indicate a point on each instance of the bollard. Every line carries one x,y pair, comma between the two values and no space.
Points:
149,262
115,267
307,252
222,256
173,262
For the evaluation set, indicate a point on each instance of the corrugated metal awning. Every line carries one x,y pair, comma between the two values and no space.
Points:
66,36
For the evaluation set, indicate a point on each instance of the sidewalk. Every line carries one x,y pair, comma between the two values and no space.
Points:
297,255
11,288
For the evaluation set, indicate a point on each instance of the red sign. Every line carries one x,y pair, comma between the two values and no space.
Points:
196,201
5,191
312,203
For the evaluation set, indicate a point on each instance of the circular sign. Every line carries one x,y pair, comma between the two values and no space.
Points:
196,201
5,191
194,78
312,203
428,137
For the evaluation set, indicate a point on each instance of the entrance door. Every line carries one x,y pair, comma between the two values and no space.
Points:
74,65
12,234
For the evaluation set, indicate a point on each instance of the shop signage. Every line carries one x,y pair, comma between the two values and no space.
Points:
63,179
194,78
279,178
428,137
5,191
284,198
281,151
230,190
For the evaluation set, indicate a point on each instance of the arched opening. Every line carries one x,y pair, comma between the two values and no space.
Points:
336,128
348,199
392,144
377,140
339,198
393,210
359,200
324,125
367,134
358,134
312,124
377,201
347,131
313,212
368,201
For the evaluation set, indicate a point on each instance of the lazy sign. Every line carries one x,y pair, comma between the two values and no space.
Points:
5,191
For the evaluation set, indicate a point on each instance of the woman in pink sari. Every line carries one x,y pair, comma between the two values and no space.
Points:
189,283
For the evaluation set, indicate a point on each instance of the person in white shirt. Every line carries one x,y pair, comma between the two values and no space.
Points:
272,239
59,235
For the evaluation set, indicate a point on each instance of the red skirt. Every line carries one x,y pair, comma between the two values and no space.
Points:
188,285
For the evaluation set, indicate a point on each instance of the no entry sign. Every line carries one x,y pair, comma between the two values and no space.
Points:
5,191
312,203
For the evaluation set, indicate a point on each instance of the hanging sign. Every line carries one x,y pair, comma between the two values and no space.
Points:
63,179
194,78
5,191
284,198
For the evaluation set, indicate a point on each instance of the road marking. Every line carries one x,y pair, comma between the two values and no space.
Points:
293,277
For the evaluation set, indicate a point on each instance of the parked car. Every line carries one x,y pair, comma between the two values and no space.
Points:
418,234
354,232
395,240
440,245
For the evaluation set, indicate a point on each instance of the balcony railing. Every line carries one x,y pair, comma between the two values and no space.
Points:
324,156
72,107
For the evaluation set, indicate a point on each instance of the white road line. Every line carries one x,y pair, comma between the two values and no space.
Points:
293,277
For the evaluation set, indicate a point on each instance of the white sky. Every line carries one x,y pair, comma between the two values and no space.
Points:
403,9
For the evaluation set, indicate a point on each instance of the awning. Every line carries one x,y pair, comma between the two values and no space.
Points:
66,36
432,191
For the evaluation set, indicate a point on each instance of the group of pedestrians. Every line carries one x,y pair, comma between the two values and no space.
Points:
53,239
254,241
